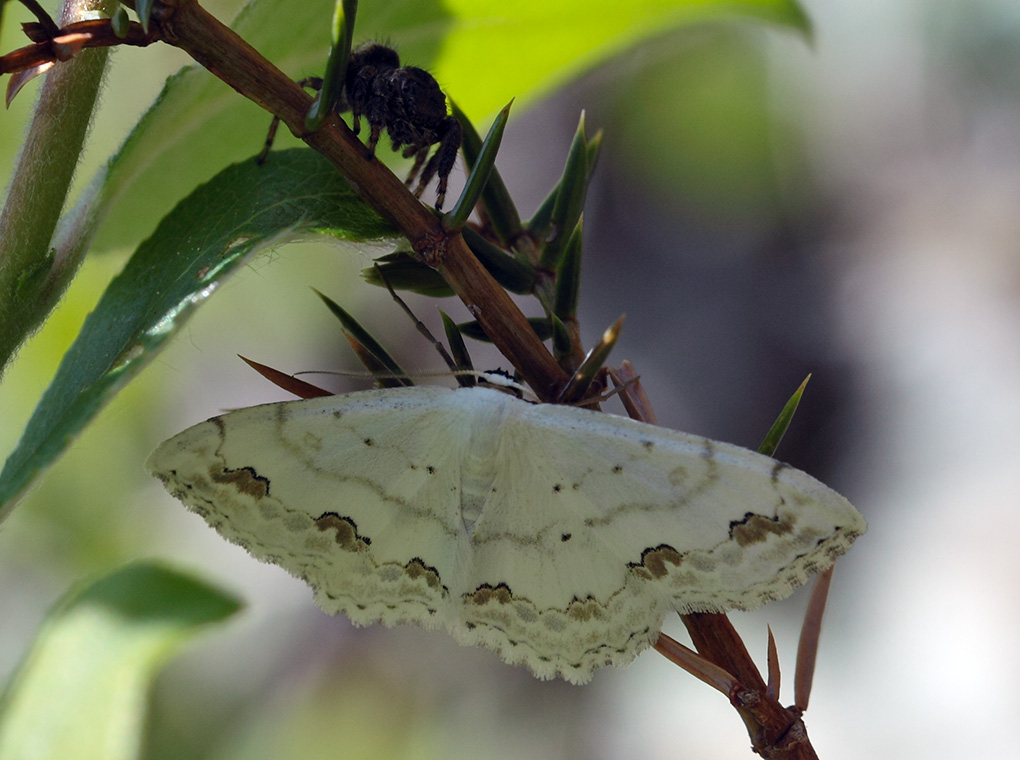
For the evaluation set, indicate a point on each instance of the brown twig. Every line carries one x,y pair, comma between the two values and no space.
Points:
695,664
775,731
67,42
45,20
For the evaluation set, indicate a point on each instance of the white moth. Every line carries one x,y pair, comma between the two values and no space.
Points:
557,537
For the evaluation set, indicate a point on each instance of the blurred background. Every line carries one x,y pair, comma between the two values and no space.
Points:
763,208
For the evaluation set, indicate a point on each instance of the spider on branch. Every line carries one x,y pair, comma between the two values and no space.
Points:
405,101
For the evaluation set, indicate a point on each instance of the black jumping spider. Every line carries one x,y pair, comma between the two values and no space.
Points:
405,101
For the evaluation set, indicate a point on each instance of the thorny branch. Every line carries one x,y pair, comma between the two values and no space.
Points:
67,42
187,25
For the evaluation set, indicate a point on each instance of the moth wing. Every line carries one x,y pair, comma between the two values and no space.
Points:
349,493
598,526
712,525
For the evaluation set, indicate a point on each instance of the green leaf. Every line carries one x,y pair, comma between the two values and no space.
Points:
482,51
144,10
562,344
404,272
119,21
245,209
568,278
82,690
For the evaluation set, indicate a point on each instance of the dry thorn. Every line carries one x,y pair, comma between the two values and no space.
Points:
772,687
807,648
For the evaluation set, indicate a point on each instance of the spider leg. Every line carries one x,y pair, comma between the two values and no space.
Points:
268,144
312,83
426,177
443,159
358,90
420,154
373,139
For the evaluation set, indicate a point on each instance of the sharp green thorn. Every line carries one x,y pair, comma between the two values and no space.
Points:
404,272
479,176
362,336
512,272
775,435
568,277
144,10
593,362
120,22
458,349
344,12
569,198
504,218
562,344
473,330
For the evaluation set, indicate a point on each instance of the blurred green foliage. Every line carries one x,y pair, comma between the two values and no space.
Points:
82,691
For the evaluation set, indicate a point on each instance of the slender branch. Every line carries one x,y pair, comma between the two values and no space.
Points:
94,33
185,24
775,731
45,20
32,276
